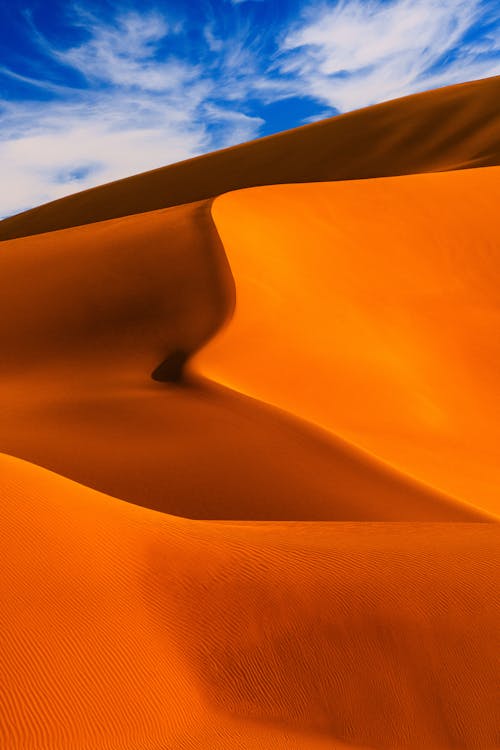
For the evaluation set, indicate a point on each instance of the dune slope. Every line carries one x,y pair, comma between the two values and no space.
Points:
91,313
251,489
379,300
449,128
125,628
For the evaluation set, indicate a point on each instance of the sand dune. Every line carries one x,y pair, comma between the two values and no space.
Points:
379,300
110,302
450,128
116,296
125,628
294,387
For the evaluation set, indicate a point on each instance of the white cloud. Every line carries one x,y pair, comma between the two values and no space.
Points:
145,114
124,54
94,146
73,147
359,52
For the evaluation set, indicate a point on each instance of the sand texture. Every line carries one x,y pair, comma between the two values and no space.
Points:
249,463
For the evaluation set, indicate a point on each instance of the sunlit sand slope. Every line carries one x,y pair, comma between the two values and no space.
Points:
90,313
449,128
371,308
126,628
257,367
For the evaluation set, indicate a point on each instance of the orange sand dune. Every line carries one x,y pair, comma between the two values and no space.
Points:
90,313
371,308
449,128
303,380
126,628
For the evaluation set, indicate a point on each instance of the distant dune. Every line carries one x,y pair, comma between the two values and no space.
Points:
450,128
250,474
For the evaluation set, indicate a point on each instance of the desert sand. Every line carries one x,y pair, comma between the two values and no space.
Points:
249,474
379,293
132,628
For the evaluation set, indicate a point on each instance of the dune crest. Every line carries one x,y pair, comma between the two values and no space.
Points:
445,129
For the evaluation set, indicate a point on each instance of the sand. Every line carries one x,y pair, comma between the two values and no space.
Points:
249,471
126,628
91,313
379,300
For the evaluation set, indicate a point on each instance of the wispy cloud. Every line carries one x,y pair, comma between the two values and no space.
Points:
124,54
74,146
140,89
358,52
137,113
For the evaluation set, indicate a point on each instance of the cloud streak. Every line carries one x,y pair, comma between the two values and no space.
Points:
357,52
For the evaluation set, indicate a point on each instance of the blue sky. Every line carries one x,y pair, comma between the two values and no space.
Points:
95,91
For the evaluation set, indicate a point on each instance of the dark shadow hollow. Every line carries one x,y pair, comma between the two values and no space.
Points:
172,368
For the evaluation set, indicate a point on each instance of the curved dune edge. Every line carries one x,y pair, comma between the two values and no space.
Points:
446,129
118,297
122,627
384,335
108,304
